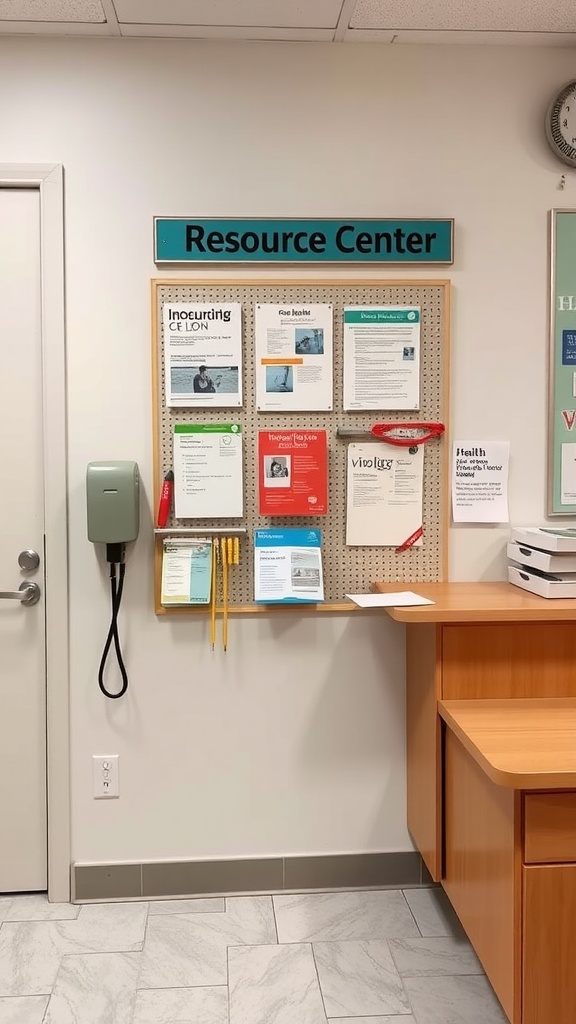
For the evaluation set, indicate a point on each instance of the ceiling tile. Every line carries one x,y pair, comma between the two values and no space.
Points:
240,13
52,10
448,15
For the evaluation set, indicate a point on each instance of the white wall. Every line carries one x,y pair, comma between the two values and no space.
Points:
293,742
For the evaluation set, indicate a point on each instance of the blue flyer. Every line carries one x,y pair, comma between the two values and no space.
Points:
569,348
288,566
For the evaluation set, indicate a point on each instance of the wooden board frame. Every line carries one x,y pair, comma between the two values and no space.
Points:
275,291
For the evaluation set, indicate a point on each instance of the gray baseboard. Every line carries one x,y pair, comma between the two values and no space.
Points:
169,879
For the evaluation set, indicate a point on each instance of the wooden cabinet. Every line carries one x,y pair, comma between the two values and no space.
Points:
549,944
502,842
492,808
470,661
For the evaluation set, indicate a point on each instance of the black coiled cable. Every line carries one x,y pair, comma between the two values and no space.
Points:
116,591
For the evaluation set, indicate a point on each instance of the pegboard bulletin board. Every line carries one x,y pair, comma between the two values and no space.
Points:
346,569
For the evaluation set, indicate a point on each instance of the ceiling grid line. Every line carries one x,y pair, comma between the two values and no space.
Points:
344,20
486,22
111,18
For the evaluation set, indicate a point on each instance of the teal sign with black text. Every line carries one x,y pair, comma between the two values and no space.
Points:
198,240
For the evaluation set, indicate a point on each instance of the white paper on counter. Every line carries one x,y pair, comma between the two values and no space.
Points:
402,598
480,481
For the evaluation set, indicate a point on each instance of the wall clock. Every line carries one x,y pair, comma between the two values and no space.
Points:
561,124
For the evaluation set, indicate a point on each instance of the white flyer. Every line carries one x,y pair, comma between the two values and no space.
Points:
384,495
186,571
568,474
203,354
208,471
294,357
480,481
381,357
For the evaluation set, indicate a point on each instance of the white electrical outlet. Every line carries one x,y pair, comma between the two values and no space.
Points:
105,776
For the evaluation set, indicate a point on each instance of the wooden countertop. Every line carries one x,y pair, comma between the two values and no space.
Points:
477,602
521,744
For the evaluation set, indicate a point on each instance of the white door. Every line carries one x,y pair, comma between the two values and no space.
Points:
23,856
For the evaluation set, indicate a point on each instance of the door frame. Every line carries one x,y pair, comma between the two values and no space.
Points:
48,180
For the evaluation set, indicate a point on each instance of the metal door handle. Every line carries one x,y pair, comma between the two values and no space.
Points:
28,593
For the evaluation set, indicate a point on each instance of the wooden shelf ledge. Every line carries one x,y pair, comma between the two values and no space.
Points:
518,743
477,602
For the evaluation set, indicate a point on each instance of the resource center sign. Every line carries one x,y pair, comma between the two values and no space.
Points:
198,240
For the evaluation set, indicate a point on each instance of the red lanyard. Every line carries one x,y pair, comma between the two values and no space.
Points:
405,436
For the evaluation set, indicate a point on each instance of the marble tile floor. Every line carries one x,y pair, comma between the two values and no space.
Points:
363,957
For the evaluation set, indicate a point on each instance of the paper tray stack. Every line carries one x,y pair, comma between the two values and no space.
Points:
543,560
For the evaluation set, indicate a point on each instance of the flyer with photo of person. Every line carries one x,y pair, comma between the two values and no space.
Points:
292,473
294,357
203,354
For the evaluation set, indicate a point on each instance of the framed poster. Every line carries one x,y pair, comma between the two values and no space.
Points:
562,396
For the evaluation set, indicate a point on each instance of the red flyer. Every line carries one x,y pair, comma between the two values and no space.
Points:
293,472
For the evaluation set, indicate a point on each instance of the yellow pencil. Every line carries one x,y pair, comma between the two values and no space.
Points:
224,593
213,596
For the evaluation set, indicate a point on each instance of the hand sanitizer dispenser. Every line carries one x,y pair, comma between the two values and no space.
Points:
113,502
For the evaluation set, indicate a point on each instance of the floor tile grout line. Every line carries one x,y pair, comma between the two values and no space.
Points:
416,977
422,936
45,1014
27,995
228,981
357,938
172,988
179,988
275,921
258,945
136,987
318,979
85,952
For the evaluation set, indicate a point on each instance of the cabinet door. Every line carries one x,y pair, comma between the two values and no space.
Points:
549,944
423,745
482,870
508,659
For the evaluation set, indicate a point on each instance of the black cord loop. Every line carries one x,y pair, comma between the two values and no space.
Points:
113,635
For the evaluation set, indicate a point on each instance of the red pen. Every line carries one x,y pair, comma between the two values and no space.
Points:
165,499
